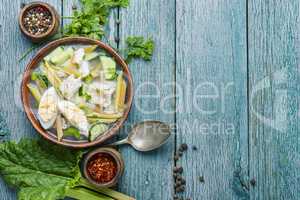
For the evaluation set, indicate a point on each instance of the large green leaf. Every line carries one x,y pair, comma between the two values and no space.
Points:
41,170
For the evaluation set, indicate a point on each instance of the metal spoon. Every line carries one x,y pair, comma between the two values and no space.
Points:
147,136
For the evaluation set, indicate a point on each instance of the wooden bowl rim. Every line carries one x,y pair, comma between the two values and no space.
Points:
25,94
35,4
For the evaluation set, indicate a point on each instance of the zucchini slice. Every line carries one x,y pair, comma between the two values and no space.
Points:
96,130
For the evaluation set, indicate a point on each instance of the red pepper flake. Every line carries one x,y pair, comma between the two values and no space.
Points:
102,168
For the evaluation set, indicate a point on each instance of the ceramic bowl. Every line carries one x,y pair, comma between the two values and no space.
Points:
115,155
51,31
28,101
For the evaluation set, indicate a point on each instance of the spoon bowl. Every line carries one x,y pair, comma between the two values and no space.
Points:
147,136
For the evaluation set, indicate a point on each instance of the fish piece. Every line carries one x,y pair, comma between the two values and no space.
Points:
78,56
101,92
74,115
70,86
84,69
47,111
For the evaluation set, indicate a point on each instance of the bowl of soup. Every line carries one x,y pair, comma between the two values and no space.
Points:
77,92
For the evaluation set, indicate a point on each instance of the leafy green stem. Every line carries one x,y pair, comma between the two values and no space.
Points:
67,17
84,194
114,194
28,51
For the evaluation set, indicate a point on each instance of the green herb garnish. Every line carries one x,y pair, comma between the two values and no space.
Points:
82,93
91,19
138,47
88,79
72,131
40,78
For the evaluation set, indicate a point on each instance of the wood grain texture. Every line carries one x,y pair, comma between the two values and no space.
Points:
148,176
211,72
274,99
13,45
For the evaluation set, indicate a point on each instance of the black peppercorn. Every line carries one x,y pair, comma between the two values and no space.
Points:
180,170
201,179
179,178
184,147
183,182
253,182
182,188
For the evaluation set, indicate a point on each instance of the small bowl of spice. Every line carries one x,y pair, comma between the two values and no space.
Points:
103,167
38,21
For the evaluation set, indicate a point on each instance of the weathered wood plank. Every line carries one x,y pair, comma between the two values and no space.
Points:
211,74
13,45
274,98
148,176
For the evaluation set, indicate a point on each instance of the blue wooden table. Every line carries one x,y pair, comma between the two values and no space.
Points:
225,73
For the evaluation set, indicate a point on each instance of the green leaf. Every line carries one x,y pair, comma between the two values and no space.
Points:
41,171
138,47
40,78
91,19
72,131
83,93
38,193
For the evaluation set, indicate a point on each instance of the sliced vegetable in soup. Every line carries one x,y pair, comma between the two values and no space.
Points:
80,92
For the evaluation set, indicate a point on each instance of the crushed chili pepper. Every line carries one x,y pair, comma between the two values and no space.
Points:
102,168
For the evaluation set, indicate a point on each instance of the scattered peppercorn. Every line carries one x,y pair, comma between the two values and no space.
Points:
183,182
37,20
182,188
180,170
184,147
201,179
253,182
179,178
179,181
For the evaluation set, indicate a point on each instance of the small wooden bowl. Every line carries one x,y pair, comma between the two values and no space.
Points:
28,100
50,32
114,154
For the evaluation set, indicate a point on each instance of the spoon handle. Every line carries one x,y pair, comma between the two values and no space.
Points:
124,141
